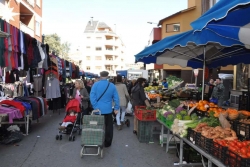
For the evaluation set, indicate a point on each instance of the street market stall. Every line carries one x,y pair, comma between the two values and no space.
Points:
219,134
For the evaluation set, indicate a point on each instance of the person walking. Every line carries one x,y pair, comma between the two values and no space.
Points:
132,84
138,98
124,98
81,94
218,92
102,94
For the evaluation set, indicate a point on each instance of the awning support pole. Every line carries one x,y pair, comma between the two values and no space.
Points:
204,69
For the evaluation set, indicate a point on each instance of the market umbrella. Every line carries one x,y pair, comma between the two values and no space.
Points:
229,19
195,49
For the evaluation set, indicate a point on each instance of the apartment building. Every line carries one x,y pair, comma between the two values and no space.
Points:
102,49
23,14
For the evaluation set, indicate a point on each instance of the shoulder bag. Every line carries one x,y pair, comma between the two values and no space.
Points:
103,92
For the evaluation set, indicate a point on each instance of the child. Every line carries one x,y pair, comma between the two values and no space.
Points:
69,119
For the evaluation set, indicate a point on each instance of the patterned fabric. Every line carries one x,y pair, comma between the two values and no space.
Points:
93,131
88,119
93,137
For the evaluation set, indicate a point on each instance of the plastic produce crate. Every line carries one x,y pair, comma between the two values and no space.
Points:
234,160
243,130
191,135
203,142
190,155
220,152
144,133
143,114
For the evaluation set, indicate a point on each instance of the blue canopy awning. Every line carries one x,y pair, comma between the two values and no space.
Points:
229,19
225,39
221,10
187,49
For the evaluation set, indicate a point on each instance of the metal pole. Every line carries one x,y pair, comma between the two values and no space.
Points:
204,67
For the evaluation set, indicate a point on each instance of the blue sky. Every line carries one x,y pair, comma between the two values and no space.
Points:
69,18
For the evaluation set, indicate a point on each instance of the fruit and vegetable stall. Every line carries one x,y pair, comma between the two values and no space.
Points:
173,91
220,136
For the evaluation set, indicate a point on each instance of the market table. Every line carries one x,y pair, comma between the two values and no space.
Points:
211,159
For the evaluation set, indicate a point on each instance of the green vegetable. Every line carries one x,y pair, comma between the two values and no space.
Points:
191,125
211,121
178,116
183,112
170,117
174,103
194,116
186,117
183,133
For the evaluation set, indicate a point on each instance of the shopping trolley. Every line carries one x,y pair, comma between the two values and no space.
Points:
93,133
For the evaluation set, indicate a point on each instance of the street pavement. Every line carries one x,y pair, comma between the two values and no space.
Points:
41,149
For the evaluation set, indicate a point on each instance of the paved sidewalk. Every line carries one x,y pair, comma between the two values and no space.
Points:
40,149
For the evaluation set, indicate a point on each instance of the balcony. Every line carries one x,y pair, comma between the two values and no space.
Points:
110,42
26,29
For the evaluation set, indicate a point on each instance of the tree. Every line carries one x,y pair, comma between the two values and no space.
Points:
65,50
55,45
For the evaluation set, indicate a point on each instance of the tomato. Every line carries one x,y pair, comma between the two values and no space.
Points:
232,144
243,155
248,154
244,143
243,150
232,155
239,144
232,148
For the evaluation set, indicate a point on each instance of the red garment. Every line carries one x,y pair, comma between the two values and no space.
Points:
70,118
15,104
73,105
30,53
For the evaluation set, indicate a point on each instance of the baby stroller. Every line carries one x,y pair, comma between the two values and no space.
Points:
72,120
126,121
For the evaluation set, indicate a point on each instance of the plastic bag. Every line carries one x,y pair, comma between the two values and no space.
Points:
129,108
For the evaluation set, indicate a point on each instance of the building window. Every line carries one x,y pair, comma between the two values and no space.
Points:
88,58
98,48
109,48
99,38
88,37
88,68
98,58
38,3
173,27
38,28
88,47
98,67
